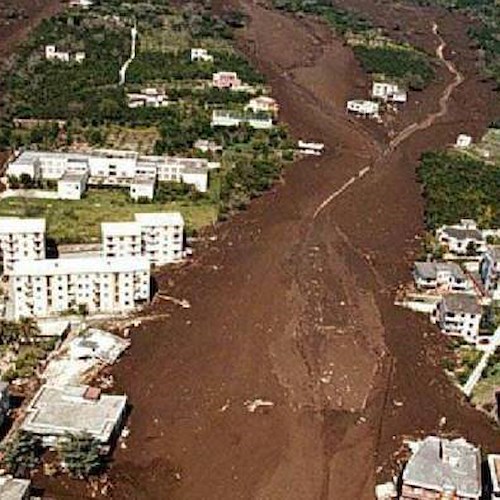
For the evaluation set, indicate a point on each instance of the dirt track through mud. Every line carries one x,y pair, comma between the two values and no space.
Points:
293,302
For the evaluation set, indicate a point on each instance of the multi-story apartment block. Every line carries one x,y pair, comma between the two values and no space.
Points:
489,269
443,276
48,287
442,469
111,168
162,236
21,239
460,314
157,236
462,239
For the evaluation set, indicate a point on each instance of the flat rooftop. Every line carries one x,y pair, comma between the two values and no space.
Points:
160,219
13,488
120,229
84,265
17,226
55,411
439,464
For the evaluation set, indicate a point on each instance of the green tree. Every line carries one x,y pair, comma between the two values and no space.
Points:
80,455
23,451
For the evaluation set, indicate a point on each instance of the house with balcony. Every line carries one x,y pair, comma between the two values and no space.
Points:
441,277
442,469
459,314
463,239
489,270
21,240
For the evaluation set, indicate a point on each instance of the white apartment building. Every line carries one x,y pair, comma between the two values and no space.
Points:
225,118
162,236
71,186
389,92
20,240
112,168
463,238
459,314
49,287
442,276
149,98
157,236
489,270
198,54
363,108
142,187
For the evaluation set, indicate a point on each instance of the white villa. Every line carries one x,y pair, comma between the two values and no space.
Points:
442,276
110,168
463,141
363,108
462,239
52,54
148,98
389,92
202,55
263,104
489,270
156,236
47,287
56,411
21,240
225,118
460,315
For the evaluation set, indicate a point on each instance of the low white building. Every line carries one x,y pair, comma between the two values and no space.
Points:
193,171
52,54
389,92
442,276
459,314
225,118
263,104
81,3
462,239
12,488
463,141
198,54
50,287
72,186
149,98
363,108
206,146
20,240
489,270
142,188
57,411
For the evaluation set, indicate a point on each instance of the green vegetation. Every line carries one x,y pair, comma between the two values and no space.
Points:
377,54
22,453
80,455
79,221
484,392
457,186
465,358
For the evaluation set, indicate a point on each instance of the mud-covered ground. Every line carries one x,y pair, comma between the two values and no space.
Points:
293,301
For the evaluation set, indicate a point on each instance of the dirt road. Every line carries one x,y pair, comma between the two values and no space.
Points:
293,302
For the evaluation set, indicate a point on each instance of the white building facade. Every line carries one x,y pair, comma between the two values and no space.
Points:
459,315
52,286
363,108
389,92
462,239
489,270
20,240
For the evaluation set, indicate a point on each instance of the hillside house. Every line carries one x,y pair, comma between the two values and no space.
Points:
206,146
462,239
202,55
56,411
489,270
459,315
363,108
442,469
21,240
442,276
463,141
263,104
85,4
148,98
389,92
225,118
52,54
226,80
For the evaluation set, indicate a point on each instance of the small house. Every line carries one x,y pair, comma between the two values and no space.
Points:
226,80
71,186
142,188
198,54
363,108
462,239
463,141
389,92
263,104
459,315
445,276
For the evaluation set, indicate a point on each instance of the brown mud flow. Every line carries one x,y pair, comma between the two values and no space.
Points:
293,303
